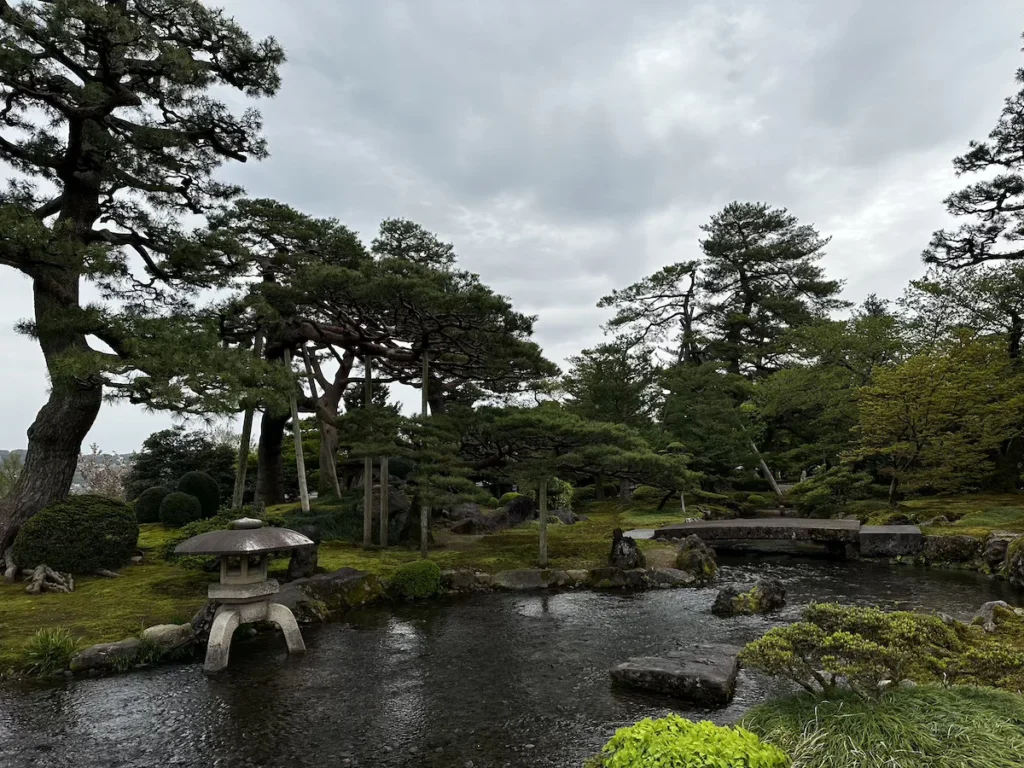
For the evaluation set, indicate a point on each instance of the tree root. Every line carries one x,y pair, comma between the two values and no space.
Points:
44,579
10,567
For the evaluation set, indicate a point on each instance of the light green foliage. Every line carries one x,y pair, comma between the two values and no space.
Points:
80,535
935,421
492,503
675,742
416,581
147,506
864,646
507,498
178,509
757,500
49,651
10,468
645,494
923,727
204,488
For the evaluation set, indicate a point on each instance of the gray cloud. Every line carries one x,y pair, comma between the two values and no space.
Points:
569,147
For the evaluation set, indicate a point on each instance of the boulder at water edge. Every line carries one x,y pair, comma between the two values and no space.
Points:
768,594
697,558
625,553
994,552
705,675
1014,569
951,549
304,560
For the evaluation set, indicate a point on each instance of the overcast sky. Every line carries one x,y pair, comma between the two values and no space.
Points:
569,147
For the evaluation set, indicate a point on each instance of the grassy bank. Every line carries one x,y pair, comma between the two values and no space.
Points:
157,592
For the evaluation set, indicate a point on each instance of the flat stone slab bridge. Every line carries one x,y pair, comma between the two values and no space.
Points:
870,540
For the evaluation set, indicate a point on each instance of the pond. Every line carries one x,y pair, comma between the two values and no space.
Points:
488,680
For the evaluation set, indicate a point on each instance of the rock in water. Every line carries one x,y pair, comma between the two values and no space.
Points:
704,675
169,637
106,655
951,549
697,558
303,562
625,553
990,614
996,546
768,594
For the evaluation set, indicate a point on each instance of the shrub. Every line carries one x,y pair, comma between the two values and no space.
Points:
757,500
49,651
418,580
827,493
80,534
203,487
924,727
492,503
178,509
194,562
147,506
675,742
584,494
647,494
864,646
508,498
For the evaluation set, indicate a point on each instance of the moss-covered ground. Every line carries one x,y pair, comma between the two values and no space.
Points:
157,592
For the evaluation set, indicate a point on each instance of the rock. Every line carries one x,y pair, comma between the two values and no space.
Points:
940,520
951,549
578,578
607,578
485,580
137,559
768,594
107,573
996,546
697,558
169,637
465,511
890,540
315,599
671,577
463,580
303,561
516,512
106,656
564,516
532,578
625,553
470,527
705,676
1014,568
636,578
988,615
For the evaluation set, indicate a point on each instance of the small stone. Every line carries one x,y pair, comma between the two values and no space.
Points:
438,750
528,746
413,750
468,764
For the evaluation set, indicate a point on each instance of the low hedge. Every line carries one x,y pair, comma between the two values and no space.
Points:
81,534
416,581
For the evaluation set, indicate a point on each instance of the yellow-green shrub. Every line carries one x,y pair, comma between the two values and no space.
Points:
416,581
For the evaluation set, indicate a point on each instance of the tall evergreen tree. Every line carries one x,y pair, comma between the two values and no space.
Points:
110,123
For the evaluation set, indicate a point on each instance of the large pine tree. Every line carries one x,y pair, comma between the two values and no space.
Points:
109,122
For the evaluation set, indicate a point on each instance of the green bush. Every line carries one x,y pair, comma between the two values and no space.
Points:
178,509
827,493
508,498
646,494
923,727
49,651
584,494
675,742
758,500
866,647
80,534
492,503
418,580
147,506
203,487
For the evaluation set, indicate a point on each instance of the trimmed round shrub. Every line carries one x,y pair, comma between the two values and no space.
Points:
645,494
203,487
178,509
680,743
147,506
508,498
416,581
492,503
758,500
80,534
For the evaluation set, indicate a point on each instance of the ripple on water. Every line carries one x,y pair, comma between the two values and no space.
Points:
499,679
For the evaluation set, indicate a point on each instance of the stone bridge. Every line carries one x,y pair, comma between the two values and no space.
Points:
836,535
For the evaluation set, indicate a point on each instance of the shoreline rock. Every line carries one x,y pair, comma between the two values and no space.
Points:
705,675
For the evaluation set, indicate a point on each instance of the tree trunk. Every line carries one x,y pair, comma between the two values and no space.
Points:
245,440
893,486
624,493
543,490
1008,461
599,488
300,458
329,483
385,500
270,463
55,437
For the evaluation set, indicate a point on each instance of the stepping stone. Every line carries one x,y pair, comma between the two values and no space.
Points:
705,675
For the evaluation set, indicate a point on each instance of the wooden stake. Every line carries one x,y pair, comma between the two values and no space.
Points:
300,459
244,443
367,463
543,523
424,508
384,501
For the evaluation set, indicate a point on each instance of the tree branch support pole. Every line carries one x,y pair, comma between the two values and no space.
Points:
367,463
331,470
245,442
385,490
764,468
543,523
424,508
300,459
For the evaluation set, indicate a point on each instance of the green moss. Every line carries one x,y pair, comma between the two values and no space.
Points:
509,498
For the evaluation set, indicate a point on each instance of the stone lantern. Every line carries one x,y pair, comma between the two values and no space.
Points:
244,591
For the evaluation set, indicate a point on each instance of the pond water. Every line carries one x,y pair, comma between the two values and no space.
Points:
492,680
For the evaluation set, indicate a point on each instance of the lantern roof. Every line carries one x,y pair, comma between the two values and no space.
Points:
246,536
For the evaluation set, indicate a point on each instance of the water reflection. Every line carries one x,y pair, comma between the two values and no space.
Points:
502,680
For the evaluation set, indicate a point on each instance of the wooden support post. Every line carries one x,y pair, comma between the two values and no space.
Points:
244,443
300,459
367,464
543,523
424,508
331,470
384,500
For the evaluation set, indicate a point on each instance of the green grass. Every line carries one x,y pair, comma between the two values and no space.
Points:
969,515
925,727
